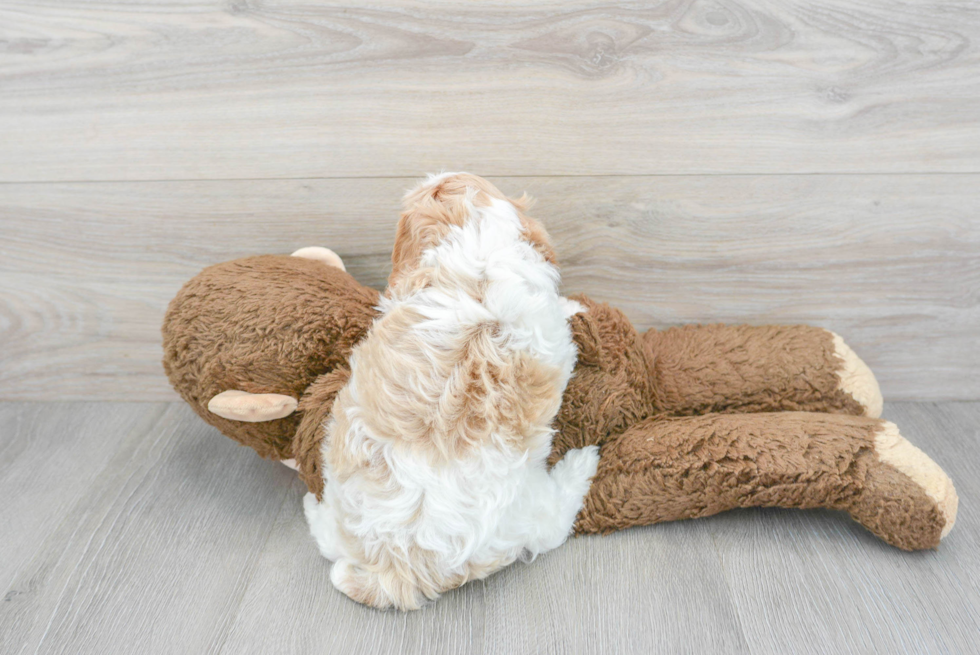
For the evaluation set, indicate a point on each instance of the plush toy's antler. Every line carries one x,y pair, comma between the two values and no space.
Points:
680,468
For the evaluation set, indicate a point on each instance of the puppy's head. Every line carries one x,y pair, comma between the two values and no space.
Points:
432,208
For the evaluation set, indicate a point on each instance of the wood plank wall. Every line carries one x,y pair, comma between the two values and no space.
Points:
811,161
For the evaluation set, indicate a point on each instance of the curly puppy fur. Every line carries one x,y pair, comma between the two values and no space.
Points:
434,463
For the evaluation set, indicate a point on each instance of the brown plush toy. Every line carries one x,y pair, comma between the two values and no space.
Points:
691,421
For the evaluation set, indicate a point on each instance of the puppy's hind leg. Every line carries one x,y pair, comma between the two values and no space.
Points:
379,590
323,526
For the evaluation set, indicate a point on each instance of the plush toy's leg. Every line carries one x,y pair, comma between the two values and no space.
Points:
679,468
325,255
739,368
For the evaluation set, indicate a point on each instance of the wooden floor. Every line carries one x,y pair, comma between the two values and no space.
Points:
136,528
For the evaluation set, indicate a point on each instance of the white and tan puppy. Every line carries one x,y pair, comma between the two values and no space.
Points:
434,461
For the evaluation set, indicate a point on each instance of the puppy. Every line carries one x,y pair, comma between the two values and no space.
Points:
434,461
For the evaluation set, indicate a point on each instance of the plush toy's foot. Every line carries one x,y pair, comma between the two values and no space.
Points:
907,499
325,255
669,469
857,379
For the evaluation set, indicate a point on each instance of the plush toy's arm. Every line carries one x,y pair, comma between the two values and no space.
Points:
316,405
739,368
669,469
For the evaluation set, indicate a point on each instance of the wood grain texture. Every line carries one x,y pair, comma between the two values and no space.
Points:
890,262
194,89
43,454
615,594
153,553
179,541
806,582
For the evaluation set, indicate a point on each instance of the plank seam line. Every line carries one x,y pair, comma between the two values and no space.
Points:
496,176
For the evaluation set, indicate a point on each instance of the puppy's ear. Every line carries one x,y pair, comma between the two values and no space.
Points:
429,210
420,226
533,230
539,238
433,207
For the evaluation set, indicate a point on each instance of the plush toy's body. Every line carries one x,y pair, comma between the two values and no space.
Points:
691,421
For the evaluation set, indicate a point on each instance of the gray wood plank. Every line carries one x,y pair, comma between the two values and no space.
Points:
292,584
46,452
197,89
651,590
890,262
641,591
155,553
815,582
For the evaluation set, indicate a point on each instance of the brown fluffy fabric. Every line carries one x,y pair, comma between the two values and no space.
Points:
287,325
316,406
681,468
623,377
268,324
610,389
697,369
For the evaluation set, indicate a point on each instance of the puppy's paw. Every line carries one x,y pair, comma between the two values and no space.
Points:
323,526
364,586
571,307
577,468
571,478
348,578
574,474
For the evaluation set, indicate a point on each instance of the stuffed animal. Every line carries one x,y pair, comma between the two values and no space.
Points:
690,421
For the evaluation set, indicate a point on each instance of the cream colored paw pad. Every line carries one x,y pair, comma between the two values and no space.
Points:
857,379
